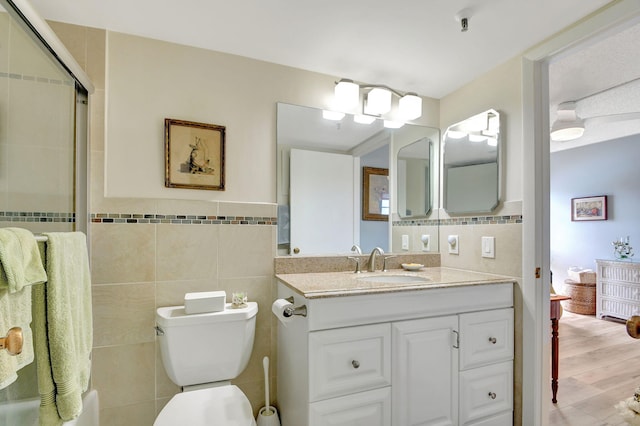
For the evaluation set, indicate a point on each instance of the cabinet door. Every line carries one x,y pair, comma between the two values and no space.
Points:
425,372
371,408
486,337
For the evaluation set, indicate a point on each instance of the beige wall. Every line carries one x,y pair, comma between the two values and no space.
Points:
500,89
138,265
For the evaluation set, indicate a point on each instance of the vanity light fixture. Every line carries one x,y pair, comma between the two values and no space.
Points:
456,134
476,138
376,100
332,115
393,124
363,119
568,126
347,94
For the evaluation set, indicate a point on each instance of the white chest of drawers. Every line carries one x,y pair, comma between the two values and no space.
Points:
617,289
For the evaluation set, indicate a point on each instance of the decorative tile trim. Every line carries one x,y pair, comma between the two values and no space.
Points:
482,220
467,220
415,222
45,80
37,217
181,219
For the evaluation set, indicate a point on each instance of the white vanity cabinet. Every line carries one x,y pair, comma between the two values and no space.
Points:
442,356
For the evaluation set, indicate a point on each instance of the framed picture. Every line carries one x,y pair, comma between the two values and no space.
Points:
194,155
589,208
375,193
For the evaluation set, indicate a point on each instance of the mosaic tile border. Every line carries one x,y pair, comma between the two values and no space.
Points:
415,222
45,80
37,217
133,218
482,220
467,220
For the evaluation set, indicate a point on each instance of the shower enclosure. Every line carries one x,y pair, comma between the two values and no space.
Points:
43,143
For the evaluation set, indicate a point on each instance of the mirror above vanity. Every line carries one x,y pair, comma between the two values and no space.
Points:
471,164
320,171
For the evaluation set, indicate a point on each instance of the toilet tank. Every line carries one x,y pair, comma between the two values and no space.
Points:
208,347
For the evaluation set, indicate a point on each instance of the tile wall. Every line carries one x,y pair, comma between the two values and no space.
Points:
147,253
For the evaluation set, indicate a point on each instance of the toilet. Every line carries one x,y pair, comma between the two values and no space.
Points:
202,353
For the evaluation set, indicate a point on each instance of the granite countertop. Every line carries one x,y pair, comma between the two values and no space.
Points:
337,284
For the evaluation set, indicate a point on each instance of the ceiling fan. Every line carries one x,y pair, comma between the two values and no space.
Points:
569,126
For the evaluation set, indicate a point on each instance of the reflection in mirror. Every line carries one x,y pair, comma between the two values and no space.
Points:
413,171
320,183
471,162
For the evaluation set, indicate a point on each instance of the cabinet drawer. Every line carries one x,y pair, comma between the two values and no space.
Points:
486,391
502,419
371,408
486,337
348,360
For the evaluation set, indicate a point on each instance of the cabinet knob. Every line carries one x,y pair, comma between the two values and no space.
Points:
355,363
13,341
492,395
493,340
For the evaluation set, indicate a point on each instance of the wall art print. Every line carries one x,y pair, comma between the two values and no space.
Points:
194,155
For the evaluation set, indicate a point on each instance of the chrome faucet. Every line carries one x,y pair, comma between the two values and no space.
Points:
372,258
356,249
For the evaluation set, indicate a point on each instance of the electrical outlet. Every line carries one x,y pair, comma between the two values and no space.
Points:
453,244
405,242
489,247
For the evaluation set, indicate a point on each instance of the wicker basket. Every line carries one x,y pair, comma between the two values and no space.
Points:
583,297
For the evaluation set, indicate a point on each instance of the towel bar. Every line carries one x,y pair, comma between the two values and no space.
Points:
13,341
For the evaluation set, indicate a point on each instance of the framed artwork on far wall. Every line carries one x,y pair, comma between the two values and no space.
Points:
194,155
375,193
589,208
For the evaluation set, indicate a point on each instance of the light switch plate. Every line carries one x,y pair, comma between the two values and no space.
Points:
489,247
405,242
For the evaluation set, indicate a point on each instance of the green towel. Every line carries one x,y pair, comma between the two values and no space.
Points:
63,320
20,268
20,260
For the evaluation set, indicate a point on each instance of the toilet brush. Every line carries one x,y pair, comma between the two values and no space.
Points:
268,415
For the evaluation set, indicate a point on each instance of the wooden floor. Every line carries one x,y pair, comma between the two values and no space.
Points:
599,366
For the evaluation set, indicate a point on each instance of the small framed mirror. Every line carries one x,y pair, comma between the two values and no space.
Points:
471,164
413,168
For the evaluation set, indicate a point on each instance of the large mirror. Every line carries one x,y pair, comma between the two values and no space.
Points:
321,171
471,164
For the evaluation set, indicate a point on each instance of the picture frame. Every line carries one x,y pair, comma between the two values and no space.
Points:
375,194
194,155
589,208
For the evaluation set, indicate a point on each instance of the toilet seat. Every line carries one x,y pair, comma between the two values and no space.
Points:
218,406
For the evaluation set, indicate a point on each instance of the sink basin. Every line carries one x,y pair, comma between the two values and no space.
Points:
394,279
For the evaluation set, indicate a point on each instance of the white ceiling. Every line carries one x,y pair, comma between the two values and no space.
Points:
603,77
409,45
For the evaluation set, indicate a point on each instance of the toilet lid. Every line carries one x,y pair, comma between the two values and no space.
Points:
220,406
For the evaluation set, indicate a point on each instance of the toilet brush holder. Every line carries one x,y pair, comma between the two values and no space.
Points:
268,416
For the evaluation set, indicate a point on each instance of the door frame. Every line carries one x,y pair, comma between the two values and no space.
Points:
535,206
